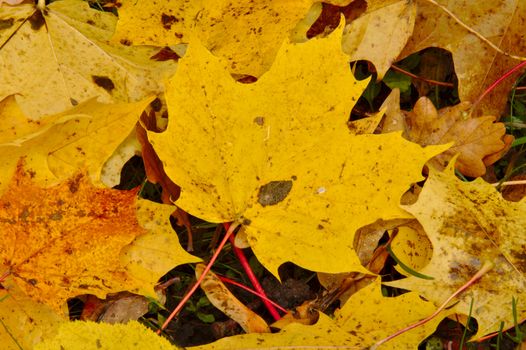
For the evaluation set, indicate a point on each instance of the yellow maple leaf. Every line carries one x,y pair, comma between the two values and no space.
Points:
468,224
247,34
277,156
67,240
57,146
101,336
59,56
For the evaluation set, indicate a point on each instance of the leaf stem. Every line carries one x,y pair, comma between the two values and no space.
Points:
251,276
483,270
498,81
414,76
183,301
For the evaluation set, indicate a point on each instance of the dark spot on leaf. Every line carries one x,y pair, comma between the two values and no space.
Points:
32,281
37,20
274,192
125,42
74,184
165,54
103,82
294,177
259,121
90,22
6,23
246,222
168,20
98,343
73,101
320,227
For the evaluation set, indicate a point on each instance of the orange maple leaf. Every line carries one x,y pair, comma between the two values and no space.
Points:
64,241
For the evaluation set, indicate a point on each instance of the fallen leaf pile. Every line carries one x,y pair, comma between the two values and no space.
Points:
240,111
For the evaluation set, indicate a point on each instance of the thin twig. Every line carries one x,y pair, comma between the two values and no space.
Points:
414,76
251,276
485,268
474,32
200,279
509,183
262,296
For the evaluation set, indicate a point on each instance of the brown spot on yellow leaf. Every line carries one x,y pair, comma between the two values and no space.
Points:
37,20
274,192
104,82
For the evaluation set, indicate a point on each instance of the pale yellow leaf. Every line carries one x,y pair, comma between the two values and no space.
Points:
469,223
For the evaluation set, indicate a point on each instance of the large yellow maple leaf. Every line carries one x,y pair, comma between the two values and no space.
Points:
56,57
468,224
74,239
277,155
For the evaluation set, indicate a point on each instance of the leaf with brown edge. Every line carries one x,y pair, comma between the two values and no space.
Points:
469,224
224,300
65,241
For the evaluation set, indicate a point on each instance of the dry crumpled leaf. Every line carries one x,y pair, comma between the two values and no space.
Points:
477,65
224,300
469,223
58,57
24,321
80,335
246,34
66,240
380,34
309,183
476,138
57,146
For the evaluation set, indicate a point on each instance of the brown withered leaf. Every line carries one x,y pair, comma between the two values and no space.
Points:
65,240
478,140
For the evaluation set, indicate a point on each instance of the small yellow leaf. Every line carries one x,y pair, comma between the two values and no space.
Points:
224,300
380,34
469,223
157,251
101,336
